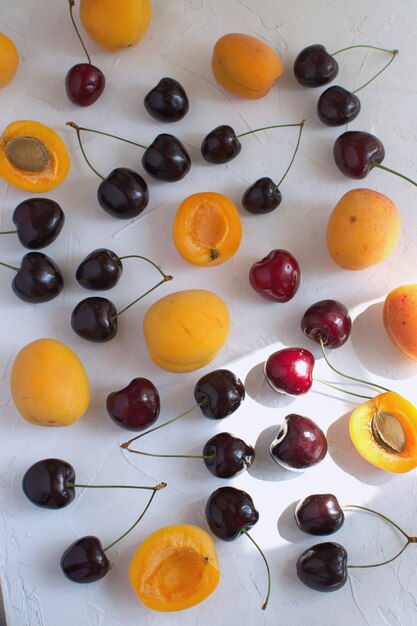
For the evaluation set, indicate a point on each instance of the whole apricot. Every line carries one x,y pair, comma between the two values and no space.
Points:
363,229
9,60
49,384
185,330
245,65
400,319
115,25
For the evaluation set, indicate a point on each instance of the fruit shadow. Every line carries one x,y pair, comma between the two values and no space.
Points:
287,527
264,467
258,388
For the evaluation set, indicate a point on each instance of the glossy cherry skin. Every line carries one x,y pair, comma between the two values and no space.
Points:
262,197
314,66
100,270
46,483
355,153
329,321
319,514
84,84
276,277
232,455
95,319
323,567
167,101
337,106
166,159
290,370
123,193
38,279
38,221
136,406
229,511
221,145
219,393
85,561
299,443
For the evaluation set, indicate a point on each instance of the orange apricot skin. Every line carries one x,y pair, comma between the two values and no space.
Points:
245,65
207,229
175,568
363,229
38,182
9,60
400,319
360,426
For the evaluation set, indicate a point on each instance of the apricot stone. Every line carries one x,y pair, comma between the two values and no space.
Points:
400,319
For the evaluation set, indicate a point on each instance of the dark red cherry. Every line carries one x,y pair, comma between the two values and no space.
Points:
123,193
85,561
314,66
219,393
299,443
95,319
39,222
229,511
167,102
262,197
220,145
337,106
319,514
230,455
136,406
100,270
328,321
323,567
355,153
276,277
166,159
84,84
46,483
290,370
38,279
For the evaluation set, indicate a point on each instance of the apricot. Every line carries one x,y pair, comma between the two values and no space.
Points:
363,229
9,60
245,65
207,229
185,330
175,568
400,319
49,384
384,432
115,25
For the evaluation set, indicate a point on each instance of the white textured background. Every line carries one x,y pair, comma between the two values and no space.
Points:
179,44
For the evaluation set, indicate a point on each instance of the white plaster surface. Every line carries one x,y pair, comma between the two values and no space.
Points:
179,44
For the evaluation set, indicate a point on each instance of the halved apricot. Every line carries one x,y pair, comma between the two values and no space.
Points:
175,568
400,319
384,432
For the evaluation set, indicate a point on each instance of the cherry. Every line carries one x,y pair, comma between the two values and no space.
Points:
227,456
50,483
100,270
337,106
290,370
276,277
299,443
38,279
221,145
319,514
219,393
39,222
323,567
136,406
327,321
84,82
314,66
123,193
167,101
166,159
357,152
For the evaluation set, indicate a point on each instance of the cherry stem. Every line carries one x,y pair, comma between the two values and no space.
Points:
11,267
71,5
267,567
78,129
394,54
101,132
249,132
388,169
165,279
301,125
363,46
144,258
108,486
154,489
351,393
8,232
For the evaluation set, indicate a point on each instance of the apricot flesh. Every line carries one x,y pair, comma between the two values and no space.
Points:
245,65
185,330
49,384
400,319
363,229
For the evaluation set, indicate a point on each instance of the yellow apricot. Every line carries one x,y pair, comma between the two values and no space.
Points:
245,65
185,330
9,60
49,384
400,319
363,229
116,25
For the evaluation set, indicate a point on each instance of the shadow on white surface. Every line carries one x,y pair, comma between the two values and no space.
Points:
287,526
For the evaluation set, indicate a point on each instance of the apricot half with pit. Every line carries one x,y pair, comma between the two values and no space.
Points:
400,319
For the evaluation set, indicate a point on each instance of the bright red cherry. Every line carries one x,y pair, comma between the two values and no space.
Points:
276,277
327,321
84,84
290,371
299,443
357,152
135,407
